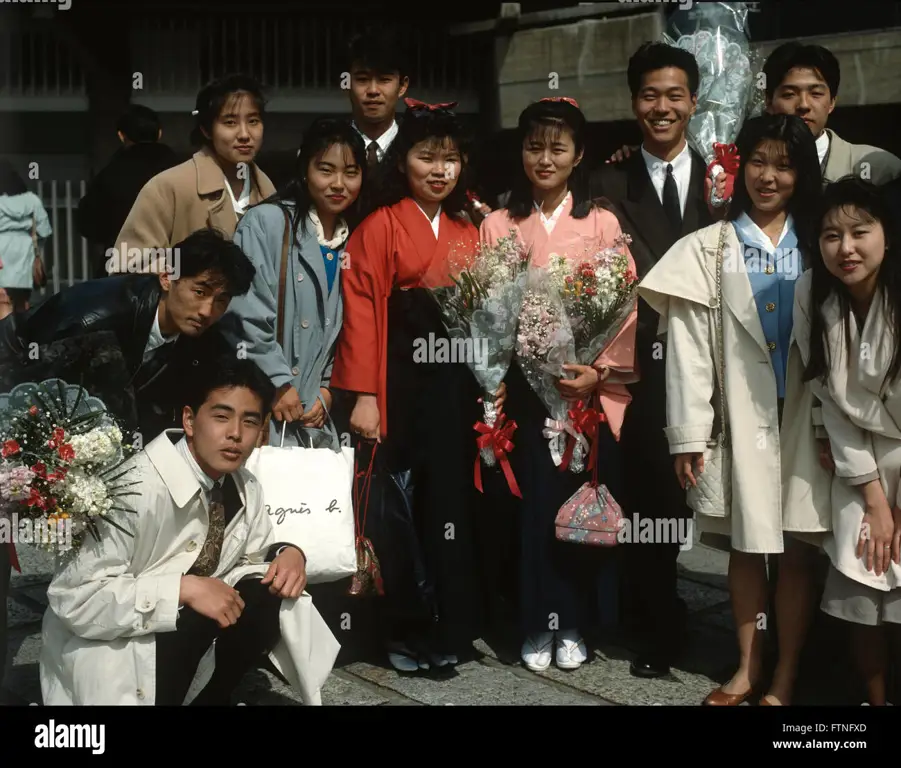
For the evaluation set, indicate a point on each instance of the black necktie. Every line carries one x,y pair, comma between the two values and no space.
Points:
372,154
671,199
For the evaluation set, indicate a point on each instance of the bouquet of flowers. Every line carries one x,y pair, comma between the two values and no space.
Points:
717,35
480,312
61,469
599,291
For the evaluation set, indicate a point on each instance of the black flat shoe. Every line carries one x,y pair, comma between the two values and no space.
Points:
649,666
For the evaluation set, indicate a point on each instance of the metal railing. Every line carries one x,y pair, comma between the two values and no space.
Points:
65,252
32,63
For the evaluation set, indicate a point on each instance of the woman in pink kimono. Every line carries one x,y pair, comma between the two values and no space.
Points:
551,212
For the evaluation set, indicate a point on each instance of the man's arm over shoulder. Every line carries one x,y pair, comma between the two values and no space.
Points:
97,595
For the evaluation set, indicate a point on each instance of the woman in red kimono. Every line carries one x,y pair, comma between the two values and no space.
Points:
421,413
550,210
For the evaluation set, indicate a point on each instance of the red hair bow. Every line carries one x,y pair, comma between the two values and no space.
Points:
417,104
561,98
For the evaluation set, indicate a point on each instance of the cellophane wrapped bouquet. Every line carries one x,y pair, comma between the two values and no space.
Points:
481,308
61,459
598,292
729,91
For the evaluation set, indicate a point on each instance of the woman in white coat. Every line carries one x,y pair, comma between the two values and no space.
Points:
739,275
848,327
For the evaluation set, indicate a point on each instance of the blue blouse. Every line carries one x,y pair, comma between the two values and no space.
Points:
330,258
772,273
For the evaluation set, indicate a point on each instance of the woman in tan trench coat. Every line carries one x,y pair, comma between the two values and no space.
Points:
212,189
775,472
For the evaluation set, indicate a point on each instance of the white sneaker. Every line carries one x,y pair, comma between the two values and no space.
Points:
536,651
571,650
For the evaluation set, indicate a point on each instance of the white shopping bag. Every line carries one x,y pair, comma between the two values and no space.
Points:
308,493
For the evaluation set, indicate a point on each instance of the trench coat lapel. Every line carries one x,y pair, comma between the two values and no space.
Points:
737,293
211,186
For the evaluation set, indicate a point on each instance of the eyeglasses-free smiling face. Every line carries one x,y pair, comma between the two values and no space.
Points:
770,177
549,156
852,244
334,179
664,105
237,133
433,169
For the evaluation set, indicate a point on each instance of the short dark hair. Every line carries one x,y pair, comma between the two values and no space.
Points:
794,54
140,124
802,154
652,56
11,183
215,95
229,372
381,49
209,249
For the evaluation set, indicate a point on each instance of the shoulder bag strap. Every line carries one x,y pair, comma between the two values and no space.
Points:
282,279
719,355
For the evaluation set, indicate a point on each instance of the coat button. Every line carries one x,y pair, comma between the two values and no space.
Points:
300,278
147,604
192,545
769,269
328,322
330,256
305,324
140,693
771,345
295,371
771,307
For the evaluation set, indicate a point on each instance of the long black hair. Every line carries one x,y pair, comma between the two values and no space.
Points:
10,181
438,125
549,117
322,134
866,202
802,155
215,95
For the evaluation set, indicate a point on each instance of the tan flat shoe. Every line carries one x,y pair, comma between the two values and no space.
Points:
719,698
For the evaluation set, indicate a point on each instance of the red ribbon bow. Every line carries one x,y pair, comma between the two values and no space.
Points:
417,104
585,420
498,438
567,99
726,156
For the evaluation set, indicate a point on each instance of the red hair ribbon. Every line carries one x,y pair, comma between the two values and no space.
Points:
726,156
567,99
498,438
416,104
585,420
13,557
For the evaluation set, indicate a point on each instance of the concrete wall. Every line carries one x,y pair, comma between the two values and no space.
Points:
590,59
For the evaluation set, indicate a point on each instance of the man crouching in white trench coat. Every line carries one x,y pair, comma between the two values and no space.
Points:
196,593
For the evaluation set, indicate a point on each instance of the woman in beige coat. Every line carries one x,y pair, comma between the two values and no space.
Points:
775,471
212,189
848,327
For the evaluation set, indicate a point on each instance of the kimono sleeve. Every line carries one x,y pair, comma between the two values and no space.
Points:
690,377
852,446
366,284
252,318
97,596
148,225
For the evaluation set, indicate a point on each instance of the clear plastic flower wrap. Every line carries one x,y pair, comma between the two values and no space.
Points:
731,87
481,309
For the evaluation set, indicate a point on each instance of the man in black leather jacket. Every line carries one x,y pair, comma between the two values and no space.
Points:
162,323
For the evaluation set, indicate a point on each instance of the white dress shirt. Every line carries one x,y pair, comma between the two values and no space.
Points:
822,146
681,172
206,482
156,338
382,142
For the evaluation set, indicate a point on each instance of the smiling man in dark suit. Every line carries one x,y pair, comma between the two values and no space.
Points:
659,194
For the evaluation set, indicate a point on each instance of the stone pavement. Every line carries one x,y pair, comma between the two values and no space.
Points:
494,676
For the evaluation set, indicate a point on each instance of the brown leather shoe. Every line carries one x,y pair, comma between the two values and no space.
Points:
719,698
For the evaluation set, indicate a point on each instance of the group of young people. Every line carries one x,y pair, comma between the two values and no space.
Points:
763,309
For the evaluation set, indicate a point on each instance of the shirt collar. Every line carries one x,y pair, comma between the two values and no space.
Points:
383,141
156,335
240,205
656,165
750,234
206,482
822,146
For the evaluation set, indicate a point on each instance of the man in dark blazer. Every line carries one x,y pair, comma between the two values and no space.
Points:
659,194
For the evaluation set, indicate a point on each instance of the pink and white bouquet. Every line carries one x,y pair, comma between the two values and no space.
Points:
480,311
61,455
